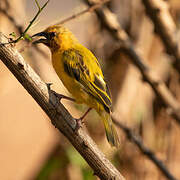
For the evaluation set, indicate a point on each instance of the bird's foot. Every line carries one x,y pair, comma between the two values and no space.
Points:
80,121
61,96
58,96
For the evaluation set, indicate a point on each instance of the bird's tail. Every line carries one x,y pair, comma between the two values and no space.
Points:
111,133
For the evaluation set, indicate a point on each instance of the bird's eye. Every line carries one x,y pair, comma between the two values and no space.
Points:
51,35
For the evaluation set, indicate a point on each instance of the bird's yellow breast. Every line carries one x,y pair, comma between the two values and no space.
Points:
70,83
74,87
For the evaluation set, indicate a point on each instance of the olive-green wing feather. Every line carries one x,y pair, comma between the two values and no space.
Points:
86,70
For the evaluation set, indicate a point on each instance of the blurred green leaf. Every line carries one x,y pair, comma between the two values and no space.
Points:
88,174
75,158
13,34
53,164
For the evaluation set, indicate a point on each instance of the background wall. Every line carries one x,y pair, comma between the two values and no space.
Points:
31,148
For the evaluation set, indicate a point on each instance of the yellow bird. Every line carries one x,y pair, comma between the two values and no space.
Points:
81,74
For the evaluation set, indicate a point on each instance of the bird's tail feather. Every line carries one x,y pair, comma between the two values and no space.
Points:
111,133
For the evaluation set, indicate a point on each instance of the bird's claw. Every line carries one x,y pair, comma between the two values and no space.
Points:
49,86
57,95
79,123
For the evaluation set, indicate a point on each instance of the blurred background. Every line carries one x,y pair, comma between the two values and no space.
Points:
32,149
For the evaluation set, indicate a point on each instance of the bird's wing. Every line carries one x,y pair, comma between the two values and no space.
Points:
85,68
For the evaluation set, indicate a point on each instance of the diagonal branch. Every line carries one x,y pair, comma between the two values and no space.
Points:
164,26
59,116
146,151
89,9
110,22
5,11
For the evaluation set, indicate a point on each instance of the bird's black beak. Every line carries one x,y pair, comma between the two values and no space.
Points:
44,40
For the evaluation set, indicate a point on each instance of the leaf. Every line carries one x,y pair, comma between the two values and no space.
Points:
28,37
13,34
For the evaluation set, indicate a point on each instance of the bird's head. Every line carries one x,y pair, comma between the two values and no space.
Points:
55,37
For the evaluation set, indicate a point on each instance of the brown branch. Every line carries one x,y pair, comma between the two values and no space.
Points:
59,116
90,9
165,27
110,22
159,87
145,150
5,11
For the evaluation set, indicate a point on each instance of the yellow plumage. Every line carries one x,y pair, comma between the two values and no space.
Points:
80,73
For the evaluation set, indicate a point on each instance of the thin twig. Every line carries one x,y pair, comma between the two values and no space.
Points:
23,34
19,28
59,116
90,9
158,12
146,151
32,21
110,22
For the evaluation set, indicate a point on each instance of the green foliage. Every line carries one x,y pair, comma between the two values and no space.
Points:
24,35
76,159
52,165
88,174
28,37
13,34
